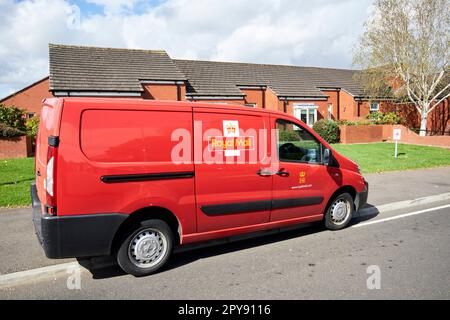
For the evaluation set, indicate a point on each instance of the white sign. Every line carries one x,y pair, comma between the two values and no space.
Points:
397,134
231,129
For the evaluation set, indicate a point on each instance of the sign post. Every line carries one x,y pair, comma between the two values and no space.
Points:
397,136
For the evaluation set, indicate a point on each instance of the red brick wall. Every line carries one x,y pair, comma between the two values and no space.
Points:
272,102
254,96
332,99
438,119
348,107
31,98
379,133
19,147
163,91
360,134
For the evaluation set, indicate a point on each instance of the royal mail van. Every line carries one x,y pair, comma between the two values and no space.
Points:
135,178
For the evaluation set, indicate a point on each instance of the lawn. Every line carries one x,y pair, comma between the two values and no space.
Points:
378,157
15,178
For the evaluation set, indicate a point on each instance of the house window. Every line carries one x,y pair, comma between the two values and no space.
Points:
374,106
306,113
330,111
251,105
30,115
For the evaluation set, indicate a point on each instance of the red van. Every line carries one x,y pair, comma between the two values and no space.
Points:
135,178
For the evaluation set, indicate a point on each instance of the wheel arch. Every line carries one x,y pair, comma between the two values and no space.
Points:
146,213
344,189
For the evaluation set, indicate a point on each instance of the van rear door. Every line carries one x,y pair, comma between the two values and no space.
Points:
49,125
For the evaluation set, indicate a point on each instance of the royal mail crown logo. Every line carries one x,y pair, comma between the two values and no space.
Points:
231,129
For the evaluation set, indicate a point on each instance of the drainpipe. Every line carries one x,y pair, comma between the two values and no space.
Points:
178,92
338,116
263,98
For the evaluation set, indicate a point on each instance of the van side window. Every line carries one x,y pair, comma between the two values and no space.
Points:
295,144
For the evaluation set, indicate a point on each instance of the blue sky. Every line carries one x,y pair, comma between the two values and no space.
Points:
303,32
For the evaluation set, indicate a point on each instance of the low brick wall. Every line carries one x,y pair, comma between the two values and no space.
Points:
360,134
19,147
379,133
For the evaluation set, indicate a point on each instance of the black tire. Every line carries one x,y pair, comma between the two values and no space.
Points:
332,221
161,237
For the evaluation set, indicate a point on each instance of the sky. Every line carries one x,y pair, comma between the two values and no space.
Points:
320,33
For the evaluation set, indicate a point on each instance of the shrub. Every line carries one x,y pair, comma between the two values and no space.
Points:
328,130
12,117
384,118
32,126
288,135
9,132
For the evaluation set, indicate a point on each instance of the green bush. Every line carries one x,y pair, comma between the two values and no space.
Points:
32,126
384,118
288,135
12,117
9,132
328,130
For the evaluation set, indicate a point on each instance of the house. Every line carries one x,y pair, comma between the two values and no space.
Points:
309,93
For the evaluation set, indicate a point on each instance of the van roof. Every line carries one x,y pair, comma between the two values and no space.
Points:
141,103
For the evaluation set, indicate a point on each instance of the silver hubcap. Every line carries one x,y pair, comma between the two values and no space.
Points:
147,248
340,211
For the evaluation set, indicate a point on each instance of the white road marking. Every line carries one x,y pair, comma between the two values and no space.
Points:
363,224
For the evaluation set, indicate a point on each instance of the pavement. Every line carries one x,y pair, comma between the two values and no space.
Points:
405,246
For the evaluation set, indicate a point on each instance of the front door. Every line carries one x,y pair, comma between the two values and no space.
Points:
299,184
230,190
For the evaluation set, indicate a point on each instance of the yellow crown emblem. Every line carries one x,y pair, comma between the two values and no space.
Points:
231,129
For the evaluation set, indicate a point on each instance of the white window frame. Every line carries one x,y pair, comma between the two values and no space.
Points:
250,105
330,111
374,109
309,107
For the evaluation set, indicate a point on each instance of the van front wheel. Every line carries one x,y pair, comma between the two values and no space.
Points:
339,212
146,249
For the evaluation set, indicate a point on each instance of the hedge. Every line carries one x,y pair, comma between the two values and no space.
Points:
328,130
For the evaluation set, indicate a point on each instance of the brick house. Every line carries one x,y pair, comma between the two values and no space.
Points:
308,93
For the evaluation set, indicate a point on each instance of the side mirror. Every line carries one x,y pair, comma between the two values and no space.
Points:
327,156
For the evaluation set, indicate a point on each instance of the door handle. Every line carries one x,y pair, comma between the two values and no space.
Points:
282,173
38,173
265,173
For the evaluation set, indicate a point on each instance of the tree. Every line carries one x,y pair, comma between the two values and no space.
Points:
404,52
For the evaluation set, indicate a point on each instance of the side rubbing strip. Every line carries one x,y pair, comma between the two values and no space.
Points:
264,205
230,208
296,202
146,177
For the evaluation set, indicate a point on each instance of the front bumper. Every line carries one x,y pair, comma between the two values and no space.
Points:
76,235
361,197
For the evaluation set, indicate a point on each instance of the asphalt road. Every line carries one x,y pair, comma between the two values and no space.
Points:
411,252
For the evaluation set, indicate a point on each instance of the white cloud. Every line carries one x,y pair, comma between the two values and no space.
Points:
318,33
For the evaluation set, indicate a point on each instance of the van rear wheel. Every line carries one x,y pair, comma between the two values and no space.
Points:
339,212
146,248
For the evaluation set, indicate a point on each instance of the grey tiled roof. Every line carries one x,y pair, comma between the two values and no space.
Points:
210,78
77,68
